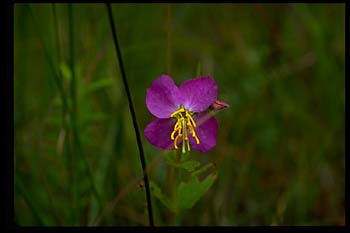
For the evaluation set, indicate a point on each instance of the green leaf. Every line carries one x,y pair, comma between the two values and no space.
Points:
185,156
155,190
178,158
195,174
189,193
182,161
190,166
172,157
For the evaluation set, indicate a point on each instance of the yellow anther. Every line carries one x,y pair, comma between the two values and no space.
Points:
190,127
177,127
175,141
197,139
184,122
193,133
177,112
172,135
191,119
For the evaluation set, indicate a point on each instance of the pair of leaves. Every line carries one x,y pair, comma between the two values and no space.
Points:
187,193
182,161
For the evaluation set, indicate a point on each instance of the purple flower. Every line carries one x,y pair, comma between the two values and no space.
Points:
180,111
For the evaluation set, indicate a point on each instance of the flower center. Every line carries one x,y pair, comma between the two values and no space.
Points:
184,122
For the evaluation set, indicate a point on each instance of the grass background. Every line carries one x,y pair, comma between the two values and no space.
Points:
280,149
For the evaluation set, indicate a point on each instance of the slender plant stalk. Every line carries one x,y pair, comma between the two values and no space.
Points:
133,115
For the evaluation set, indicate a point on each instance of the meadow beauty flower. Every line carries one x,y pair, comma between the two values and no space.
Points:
181,117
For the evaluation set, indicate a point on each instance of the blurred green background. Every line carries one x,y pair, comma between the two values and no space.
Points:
280,149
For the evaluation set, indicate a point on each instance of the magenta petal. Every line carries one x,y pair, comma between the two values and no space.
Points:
199,93
206,132
162,98
158,133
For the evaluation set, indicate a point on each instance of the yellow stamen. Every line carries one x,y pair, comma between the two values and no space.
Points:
177,127
175,141
193,133
191,119
184,122
197,139
181,109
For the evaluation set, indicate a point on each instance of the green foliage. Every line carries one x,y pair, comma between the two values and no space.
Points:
187,193
182,161
187,165
157,192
